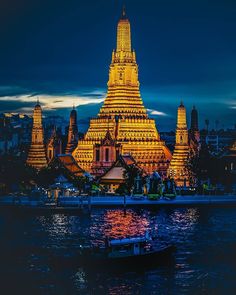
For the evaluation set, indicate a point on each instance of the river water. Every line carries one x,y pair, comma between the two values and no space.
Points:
38,252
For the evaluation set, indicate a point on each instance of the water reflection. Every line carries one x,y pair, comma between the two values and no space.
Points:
185,219
79,279
117,224
55,225
204,260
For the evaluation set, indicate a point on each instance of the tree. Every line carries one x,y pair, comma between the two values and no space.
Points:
15,175
130,174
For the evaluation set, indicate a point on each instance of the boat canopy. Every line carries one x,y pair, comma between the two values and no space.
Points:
126,241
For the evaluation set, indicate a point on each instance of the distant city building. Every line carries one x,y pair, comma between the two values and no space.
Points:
14,133
72,133
37,153
229,159
212,140
50,121
178,168
54,146
124,114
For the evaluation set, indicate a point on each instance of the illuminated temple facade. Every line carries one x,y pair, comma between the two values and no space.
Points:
37,152
122,123
72,133
178,168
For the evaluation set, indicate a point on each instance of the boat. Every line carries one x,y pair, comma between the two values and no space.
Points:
134,251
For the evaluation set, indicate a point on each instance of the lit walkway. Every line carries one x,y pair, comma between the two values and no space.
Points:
109,201
179,200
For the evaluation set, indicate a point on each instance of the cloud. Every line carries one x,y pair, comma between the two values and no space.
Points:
13,90
95,93
50,102
156,113
231,103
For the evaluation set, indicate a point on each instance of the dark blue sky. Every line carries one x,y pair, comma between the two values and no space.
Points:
61,51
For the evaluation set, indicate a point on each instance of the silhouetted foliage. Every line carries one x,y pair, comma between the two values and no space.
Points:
15,175
130,174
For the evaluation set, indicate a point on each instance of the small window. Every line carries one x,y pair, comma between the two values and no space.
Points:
97,155
107,155
117,154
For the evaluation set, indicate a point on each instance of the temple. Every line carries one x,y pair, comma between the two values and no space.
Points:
72,133
37,153
178,168
54,145
122,123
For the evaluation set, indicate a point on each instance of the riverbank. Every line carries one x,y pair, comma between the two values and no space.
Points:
73,203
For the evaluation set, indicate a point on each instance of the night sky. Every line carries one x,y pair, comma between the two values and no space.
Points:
60,51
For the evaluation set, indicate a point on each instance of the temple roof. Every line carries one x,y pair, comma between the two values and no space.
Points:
115,173
69,163
127,159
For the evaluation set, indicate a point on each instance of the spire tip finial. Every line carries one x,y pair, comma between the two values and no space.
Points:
123,11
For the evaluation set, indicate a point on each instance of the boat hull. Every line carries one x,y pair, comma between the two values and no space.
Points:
151,258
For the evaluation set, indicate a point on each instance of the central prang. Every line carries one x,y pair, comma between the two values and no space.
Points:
122,119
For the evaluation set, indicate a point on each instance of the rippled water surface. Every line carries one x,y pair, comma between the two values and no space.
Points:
38,252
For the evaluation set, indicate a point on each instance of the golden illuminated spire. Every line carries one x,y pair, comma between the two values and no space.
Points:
178,168
123,95
123,34
37,154
181,117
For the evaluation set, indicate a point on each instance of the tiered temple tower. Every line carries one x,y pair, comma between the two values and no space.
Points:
54,145
194,133
178,168
37,154
72,133
124,114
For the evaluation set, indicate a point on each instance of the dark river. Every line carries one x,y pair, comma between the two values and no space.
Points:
38,252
